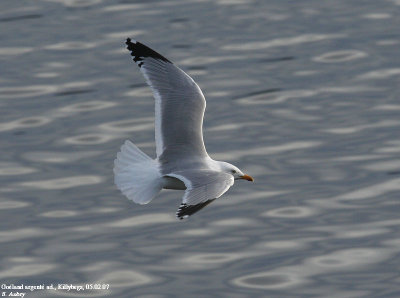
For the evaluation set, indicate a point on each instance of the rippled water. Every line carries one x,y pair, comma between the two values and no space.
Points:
302,95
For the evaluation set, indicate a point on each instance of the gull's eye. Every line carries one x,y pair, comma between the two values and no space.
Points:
233,171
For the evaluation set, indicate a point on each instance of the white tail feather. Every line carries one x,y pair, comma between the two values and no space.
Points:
136,174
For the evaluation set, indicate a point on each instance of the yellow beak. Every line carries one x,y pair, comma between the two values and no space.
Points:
247,177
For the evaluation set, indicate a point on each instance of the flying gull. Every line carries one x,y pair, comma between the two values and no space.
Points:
182,161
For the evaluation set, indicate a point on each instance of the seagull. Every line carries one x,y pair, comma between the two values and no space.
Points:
182,162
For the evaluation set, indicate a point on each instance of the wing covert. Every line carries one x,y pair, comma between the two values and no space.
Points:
179,105
202,188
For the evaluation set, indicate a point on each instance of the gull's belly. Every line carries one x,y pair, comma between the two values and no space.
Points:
172,183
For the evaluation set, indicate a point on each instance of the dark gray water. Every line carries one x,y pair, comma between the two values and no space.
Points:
302,95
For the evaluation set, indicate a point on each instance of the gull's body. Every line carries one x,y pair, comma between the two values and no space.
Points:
182,161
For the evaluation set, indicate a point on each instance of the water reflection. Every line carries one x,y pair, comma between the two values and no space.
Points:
71,45
21,17
90,139
279,42
12,204
63,183
118,35
123,7
198,232
59,157
295,275
268,280
46,75
262,151
126,278
60,213
130,125
21,234
372,191
358,128
388,42
25,91
294,115
277,97
11,169
12,51
149,219
380,74
377,16
340,56
290,212
392,146
234,222
383,166
202,261
21,271
77,3
387,107
24,123
348,259
360,233
281,245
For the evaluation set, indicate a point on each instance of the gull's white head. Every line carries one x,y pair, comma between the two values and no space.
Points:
234,171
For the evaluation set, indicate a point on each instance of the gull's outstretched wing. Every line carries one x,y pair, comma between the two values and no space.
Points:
179,105
202,187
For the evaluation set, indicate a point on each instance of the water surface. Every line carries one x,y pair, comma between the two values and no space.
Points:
301,95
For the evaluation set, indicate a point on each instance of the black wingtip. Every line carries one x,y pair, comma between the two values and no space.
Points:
130,44
184,210
139,52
